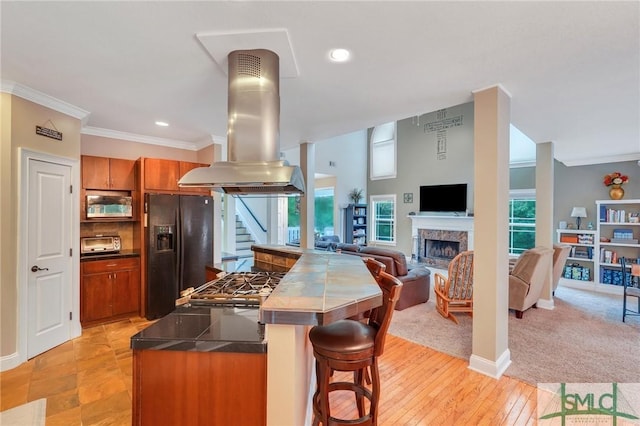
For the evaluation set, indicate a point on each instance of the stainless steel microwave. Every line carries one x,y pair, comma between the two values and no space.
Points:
99,206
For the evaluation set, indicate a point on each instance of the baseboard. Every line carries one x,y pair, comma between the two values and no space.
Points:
545,304
490,368
10,361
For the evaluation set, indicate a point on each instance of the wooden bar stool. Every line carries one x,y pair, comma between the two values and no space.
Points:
374,266
353,346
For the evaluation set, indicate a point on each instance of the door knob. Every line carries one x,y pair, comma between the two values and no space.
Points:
35,268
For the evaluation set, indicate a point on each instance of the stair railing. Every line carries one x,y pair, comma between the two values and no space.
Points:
251,222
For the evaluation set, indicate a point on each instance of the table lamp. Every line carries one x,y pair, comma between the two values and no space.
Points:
578,213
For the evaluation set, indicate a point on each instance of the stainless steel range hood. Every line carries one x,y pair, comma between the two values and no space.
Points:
253,133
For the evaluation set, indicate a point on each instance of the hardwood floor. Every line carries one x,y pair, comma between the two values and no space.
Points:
87,381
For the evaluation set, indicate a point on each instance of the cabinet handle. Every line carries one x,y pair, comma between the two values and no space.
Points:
112,264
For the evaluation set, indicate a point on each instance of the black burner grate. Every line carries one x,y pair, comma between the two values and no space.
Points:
238,286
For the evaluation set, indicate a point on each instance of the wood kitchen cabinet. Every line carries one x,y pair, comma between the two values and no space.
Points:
163,175
108,173
109,289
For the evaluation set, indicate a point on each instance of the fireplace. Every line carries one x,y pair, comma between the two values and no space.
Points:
439,246
446,229
440,249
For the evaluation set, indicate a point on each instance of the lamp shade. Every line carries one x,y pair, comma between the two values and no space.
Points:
579,212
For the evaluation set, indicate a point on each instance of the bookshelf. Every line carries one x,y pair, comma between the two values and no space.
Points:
618,235
580,264
355,229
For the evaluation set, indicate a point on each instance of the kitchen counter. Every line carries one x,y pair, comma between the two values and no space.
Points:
105,256
205,329
320,287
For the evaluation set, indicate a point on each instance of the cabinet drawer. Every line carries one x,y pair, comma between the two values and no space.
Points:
263,257
280,261
98,266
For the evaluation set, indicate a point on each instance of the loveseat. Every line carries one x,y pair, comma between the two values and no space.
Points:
416,281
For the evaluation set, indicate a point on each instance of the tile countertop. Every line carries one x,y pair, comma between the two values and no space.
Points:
205,329
322,287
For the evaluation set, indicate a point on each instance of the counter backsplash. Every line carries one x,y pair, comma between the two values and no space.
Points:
123,229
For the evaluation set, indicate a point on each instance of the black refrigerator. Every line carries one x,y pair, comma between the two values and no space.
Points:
179,234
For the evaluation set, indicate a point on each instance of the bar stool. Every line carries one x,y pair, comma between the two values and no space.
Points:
353,346
374,266
629,290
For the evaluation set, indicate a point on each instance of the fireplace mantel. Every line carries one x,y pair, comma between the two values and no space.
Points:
448,223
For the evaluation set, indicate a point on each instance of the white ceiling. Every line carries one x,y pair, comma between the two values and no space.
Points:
572,68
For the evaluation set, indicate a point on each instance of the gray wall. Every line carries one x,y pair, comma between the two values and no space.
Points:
419,164
582,185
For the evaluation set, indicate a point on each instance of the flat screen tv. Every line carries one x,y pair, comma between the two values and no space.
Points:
443,198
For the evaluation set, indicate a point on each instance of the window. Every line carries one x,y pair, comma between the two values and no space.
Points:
522,221
383,151
383,226
323,219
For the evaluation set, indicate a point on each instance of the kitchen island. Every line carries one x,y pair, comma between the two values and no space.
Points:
319,288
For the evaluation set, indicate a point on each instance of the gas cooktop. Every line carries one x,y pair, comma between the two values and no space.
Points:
235,288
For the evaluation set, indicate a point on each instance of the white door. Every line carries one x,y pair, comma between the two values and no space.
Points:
49,234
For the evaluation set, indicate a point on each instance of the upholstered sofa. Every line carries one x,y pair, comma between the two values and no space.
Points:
416,281
527,278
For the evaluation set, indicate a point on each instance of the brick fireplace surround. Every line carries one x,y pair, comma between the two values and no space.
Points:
447,235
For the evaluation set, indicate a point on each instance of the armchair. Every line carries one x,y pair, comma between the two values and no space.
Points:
454,293
560,254
527,278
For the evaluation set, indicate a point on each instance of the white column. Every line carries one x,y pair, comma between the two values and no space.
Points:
307,207
544,213
492,116
217,214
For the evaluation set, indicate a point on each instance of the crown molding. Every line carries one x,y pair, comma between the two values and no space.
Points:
132,137
601,160
519,164
17,89
43,99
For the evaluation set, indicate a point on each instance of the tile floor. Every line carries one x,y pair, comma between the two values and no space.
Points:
87,381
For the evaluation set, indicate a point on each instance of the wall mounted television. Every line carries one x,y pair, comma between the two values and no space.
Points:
443,198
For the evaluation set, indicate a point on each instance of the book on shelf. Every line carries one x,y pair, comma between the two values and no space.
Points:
622,233
618,216
582,252
624,240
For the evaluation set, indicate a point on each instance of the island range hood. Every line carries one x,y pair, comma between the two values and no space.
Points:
253,133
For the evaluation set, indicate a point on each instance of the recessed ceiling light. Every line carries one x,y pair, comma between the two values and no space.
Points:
339,55
162,123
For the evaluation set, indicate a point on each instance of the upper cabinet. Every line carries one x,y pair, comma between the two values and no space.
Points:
163,175
108,173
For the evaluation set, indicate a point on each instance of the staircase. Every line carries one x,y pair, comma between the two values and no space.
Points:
243,240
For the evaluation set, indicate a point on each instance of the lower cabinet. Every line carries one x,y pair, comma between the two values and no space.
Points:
109,289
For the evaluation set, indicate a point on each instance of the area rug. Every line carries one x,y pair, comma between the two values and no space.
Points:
582,340
30,414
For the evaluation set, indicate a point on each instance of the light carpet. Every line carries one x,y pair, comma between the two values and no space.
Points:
582,340
30,414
